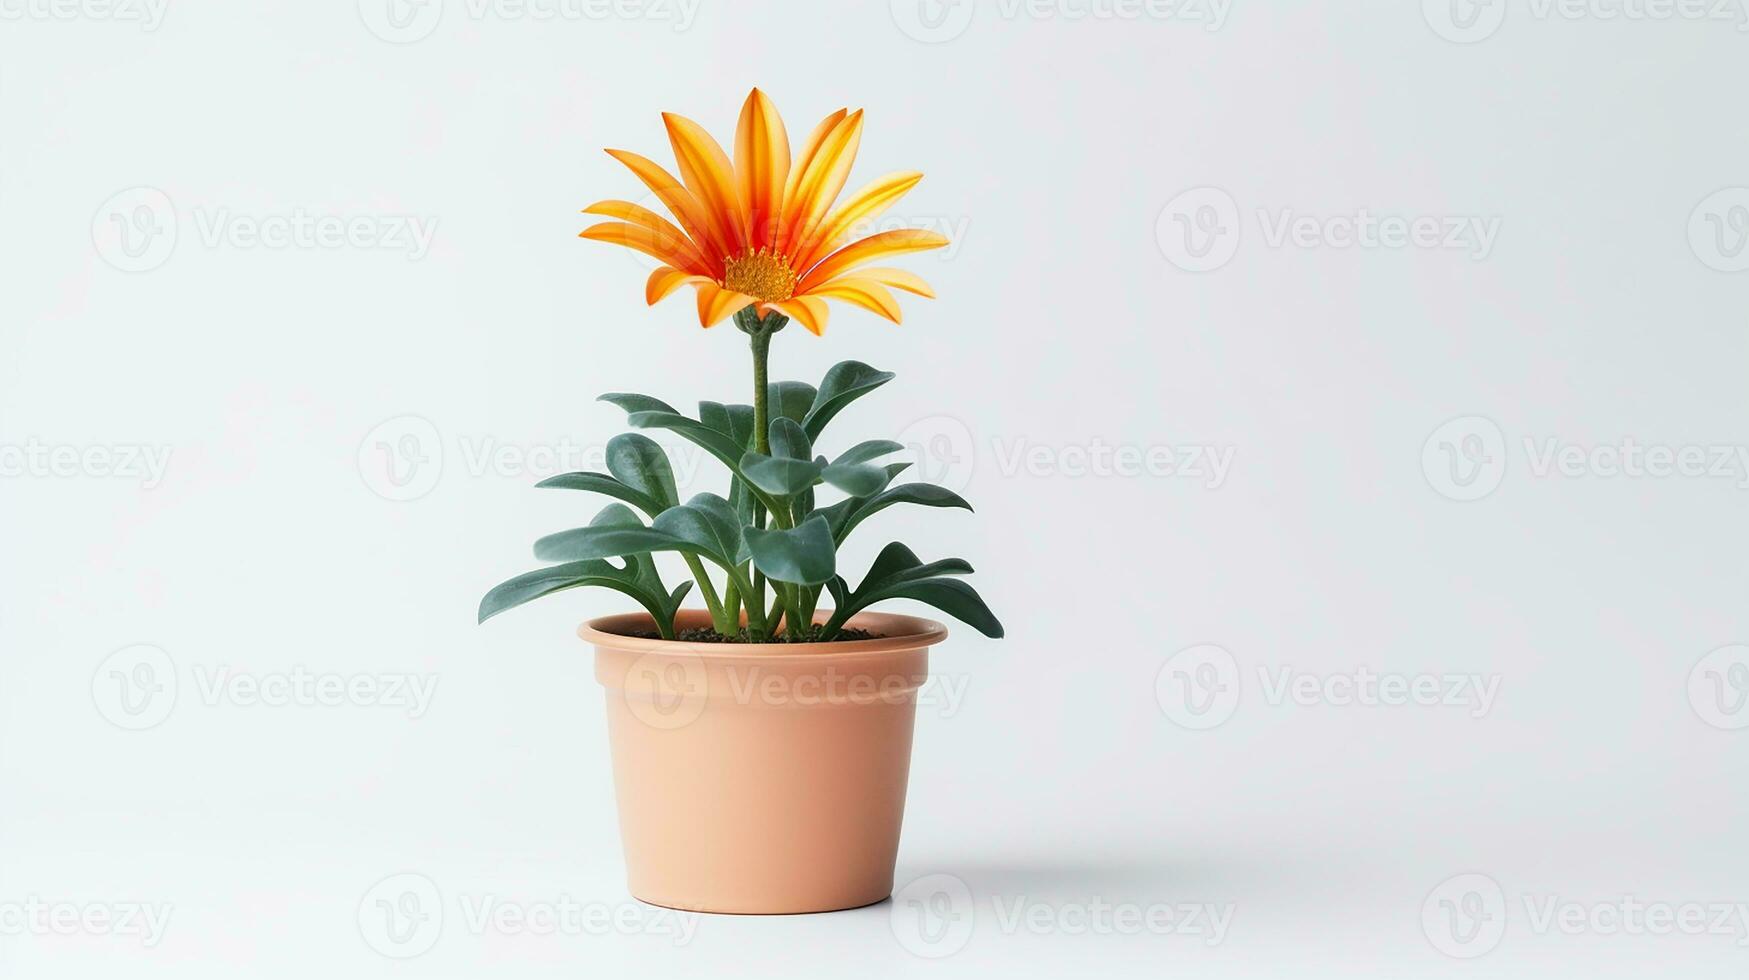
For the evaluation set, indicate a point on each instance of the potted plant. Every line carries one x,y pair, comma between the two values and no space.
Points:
761,745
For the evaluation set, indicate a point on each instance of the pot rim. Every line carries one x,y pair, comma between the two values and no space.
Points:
901,633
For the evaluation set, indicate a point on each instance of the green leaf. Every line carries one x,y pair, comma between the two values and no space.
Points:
741,499
837,514
897,564
710,525
840,590
847,514
898,574
953,597
615,532
644,567
856,479
638,462
788,470
734,421
546,581
803,555
677,597
741,419
852,472
894,559
716,415
790,399
705,525
789,441
873,449
604,484
780,477
636,403
614,515
844,383
721,446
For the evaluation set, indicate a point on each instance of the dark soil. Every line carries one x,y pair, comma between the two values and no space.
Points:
704,634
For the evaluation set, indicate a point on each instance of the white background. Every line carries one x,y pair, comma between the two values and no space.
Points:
1073,776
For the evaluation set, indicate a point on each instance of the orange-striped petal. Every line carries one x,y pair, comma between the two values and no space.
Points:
679,201
866,293
761,166
637,237
910,282
896,242
664,281
716,303
665,230
805,310
865,204
799,163
822,181
711,178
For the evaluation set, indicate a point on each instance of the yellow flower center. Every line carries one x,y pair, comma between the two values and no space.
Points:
762,275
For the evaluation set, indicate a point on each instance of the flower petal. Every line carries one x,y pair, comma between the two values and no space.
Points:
821,182
665,231
677,199
638,237
711,178
895,242
866,203
866,293
805,310
910,282
799,163
716,303
664,281
761,166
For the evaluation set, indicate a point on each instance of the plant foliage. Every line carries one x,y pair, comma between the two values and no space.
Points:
767,535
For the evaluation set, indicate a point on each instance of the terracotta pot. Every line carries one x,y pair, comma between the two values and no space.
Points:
761,778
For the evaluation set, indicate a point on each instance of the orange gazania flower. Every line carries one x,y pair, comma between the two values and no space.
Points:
761,231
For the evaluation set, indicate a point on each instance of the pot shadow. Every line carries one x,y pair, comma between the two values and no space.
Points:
1073,881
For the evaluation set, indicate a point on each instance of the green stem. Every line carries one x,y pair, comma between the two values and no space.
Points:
761,343
835,622
707,589
759,331
792,615
777,604
731,608
761,392
756,627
